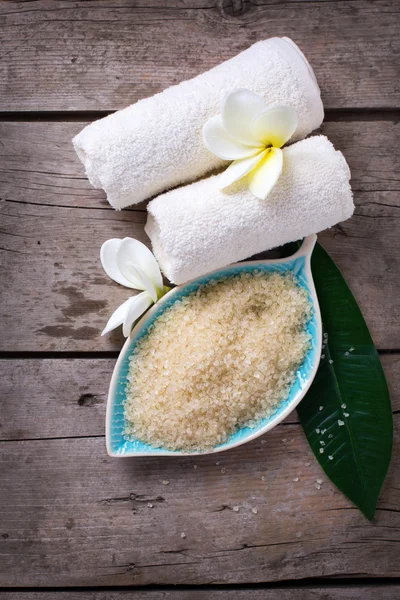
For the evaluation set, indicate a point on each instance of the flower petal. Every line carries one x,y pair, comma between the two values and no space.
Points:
138,305
221,144
108,257
275,126
238,169
118,316
263,178
133,252
238,110
145,282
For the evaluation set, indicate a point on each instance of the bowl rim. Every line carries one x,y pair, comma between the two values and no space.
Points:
305,251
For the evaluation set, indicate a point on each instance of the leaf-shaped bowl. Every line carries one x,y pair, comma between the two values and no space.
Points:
299,265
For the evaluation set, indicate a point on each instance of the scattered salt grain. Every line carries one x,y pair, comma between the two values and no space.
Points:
330,361
263,478
263,442
351,349
321,407
217,463
194,466
284,440
322,442
323,431
330,457
295,479
346,353
321,450
235,508
322,355
317,486
223,470
346,414
165,482
330,436
183,535
306,464
317,430
150,505
343,405
254,510
340,423
319,481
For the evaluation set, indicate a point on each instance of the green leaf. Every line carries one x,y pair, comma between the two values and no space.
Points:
350,381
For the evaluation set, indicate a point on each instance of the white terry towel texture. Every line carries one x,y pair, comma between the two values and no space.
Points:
198,228
157,143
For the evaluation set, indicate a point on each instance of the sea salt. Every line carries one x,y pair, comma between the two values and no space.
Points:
190,387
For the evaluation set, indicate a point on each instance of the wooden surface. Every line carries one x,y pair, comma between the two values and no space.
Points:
104,55
355,592
70,515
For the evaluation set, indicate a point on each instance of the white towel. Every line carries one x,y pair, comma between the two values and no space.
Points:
157,143
198,228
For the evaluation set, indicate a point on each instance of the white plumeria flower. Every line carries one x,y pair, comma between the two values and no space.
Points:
130,263
251,134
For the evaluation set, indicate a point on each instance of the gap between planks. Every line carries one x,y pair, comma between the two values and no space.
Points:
331,115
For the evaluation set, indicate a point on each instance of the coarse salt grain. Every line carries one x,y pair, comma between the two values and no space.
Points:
330,457
183,535
317,486
295,479
165,482
306,464
235,508
321,407
254,510
209,389
263,478
340,423
319,481
321,450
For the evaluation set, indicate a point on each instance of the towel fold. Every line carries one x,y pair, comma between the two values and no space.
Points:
157,143
198,228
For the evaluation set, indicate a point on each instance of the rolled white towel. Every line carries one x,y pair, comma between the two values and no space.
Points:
157,143
198,228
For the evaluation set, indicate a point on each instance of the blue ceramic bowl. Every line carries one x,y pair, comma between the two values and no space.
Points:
299,265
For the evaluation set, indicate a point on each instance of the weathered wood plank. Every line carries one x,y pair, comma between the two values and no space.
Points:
38,163
67,397
57,296
71,516
353,592
93,55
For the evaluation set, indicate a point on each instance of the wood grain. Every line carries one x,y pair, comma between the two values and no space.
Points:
57,297
46,398
100,56
353,592
72,516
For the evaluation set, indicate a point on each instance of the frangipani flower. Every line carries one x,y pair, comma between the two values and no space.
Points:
251,134
130,263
